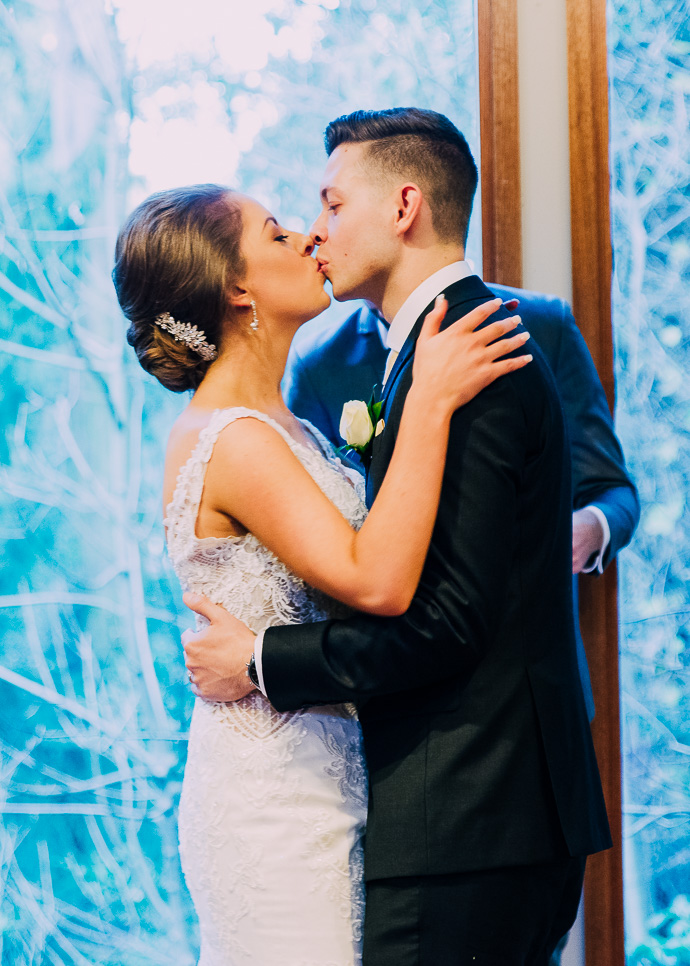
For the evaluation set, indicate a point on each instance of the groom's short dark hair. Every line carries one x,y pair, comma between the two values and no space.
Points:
420,145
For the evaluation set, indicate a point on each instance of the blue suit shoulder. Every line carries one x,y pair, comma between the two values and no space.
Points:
600,476
315,339
332,363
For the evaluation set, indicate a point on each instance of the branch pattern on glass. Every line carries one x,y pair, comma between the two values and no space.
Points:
649,46
104,104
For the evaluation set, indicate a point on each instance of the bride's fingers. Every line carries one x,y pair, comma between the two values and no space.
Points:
503,366
491,332
482,340
473,319
491,371
470,323
504,346
432,322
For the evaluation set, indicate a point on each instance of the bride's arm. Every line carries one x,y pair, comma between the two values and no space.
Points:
255,478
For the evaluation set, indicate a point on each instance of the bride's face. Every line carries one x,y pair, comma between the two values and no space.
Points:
281,276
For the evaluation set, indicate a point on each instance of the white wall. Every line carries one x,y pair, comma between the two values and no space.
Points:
545,177
543,91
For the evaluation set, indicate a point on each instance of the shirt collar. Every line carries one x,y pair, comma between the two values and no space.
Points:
415,303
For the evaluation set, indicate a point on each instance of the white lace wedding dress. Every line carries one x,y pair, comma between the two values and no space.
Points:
273,805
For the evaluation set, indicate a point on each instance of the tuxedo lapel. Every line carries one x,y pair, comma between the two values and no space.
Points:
462,297
403,357
467,290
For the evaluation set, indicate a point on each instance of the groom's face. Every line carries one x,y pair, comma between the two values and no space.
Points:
357,245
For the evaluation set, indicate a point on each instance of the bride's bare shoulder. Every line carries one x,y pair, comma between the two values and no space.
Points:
184,435
250,443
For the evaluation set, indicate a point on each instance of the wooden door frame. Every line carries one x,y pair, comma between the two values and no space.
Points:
591,246
499,133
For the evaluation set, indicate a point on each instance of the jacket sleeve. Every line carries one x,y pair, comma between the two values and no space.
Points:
449,623
599,473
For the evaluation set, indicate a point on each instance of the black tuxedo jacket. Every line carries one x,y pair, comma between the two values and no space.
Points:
330,364
475,729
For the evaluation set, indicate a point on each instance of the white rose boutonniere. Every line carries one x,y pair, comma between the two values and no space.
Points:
357,426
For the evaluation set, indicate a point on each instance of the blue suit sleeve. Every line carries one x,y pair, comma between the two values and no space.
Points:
599,473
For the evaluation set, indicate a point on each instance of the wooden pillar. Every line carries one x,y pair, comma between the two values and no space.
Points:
592,265
500,142
591,253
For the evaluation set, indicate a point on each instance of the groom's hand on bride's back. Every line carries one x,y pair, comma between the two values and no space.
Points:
216,656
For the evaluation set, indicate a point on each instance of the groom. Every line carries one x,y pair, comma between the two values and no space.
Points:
485,796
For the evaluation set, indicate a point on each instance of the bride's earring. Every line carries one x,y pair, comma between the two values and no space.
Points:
254,324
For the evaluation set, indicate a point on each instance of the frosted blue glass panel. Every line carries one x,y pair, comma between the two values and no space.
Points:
101,104
649,46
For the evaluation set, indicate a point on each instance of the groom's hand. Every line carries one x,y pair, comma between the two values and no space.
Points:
216,656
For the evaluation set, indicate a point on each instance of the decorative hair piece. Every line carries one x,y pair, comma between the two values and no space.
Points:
254,324
189,334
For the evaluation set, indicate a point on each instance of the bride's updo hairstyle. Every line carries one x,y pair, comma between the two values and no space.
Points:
178,253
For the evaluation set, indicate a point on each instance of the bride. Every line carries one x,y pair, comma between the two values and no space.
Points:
263,518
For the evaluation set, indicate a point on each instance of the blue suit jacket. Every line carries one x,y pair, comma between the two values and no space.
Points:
330,365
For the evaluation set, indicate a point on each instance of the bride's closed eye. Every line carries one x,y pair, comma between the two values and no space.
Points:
281,238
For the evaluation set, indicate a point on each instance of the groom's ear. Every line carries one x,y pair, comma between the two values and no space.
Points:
410,202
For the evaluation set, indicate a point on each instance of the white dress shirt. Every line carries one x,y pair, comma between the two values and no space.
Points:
597,562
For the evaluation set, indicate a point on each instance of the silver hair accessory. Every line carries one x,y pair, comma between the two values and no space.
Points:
254,324
189,334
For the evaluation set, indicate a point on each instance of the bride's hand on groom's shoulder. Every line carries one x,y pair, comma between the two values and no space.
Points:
216,656
455,364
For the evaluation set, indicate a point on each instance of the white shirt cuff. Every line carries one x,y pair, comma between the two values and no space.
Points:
258,653
597,563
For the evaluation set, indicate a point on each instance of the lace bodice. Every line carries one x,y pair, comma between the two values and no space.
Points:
241,573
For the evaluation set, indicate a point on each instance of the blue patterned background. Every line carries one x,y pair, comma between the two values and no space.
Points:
649,55
101,104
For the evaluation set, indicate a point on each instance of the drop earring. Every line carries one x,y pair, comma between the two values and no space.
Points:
254,324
